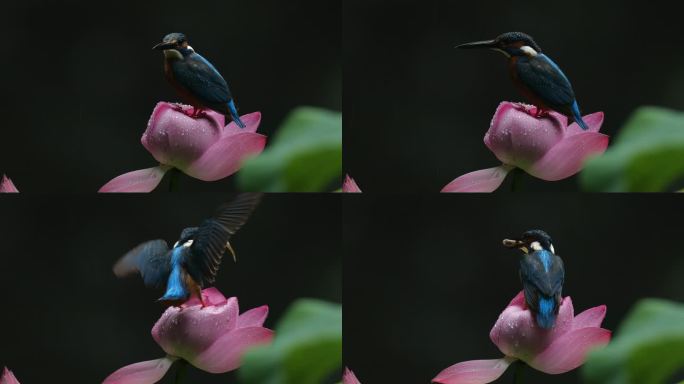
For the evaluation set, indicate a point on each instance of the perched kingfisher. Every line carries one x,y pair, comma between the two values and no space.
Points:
194,260
542,275
195,78
535,75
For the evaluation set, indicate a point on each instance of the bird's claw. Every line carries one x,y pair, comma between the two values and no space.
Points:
540,112
196,112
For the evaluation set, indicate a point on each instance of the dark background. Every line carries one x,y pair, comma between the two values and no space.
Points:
80,78
430,276
416,109
67,318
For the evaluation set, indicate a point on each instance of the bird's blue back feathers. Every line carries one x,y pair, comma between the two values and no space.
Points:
175,287
575,107
554,65
546,317
208,64
545,257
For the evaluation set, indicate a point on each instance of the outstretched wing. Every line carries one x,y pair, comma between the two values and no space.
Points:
211,238
202,79
546,80
150,259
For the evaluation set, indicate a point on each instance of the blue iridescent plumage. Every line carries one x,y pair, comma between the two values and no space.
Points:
542,274
535,75
196,79
193,262
175,286
546,316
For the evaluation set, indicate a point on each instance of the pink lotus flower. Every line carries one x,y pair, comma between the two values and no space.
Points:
212,338
8,377
349,185
7,186
546,147
199,146
348,377
553,351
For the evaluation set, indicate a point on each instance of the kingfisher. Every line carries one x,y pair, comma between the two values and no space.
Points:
196,79
193,262
535,75
542,275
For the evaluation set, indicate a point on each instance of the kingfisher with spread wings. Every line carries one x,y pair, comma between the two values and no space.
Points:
193,262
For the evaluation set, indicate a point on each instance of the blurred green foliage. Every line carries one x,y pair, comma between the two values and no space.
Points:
307,347
648,347
305,155
646,156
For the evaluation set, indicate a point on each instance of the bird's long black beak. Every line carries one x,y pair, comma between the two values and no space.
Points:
508,243
162,46
478,44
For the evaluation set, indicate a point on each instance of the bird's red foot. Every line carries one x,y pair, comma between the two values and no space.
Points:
540,112
196,112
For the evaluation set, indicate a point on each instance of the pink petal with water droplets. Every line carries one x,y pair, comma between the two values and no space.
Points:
473,372
592,317
8,377
570,350
226,156
146,372
516,332
567,157
226,353
485,180
211,295
251,121
349,185
517,137
174,138
187,332
593,121
7,186
144,180
348,377
254,317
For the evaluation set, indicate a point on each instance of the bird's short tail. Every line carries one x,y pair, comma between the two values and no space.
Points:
234,114
546,317
577,116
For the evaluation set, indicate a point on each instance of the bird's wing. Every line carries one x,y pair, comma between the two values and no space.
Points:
211,238
537,281
557,275
545,79
203,80
150,259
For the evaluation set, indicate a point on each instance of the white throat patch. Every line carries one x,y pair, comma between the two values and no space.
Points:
529,51
551,248
186,244
535,246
